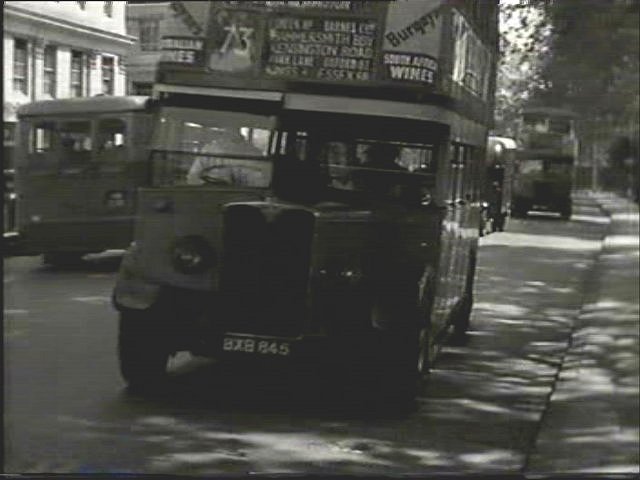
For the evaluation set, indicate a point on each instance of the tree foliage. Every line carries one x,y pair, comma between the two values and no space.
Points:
579,54
523,46
593,59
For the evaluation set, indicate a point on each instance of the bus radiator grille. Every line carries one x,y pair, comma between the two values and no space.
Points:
265,270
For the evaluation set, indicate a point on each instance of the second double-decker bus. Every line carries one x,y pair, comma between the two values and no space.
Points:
548,149
78,163
315,191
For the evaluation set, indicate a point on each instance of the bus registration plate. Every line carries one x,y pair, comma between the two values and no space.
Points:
257,346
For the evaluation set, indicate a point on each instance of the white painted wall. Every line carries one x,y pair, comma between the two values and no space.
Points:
66,26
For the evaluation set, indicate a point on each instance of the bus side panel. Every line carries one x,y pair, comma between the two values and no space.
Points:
87,205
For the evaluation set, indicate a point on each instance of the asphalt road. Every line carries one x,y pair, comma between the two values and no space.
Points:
66,408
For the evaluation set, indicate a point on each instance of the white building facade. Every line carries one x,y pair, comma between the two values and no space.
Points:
62,49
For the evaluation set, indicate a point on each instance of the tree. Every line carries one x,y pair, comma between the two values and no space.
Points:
578,54
593,62
524,34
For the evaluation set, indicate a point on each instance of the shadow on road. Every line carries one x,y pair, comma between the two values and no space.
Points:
478,411
92,263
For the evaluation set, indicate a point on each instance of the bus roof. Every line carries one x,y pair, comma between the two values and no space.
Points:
96,104
550,111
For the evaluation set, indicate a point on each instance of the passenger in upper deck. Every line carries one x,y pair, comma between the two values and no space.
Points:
231,171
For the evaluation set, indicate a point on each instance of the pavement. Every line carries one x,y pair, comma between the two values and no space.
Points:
591,424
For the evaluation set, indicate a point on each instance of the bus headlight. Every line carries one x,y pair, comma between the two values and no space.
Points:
192,254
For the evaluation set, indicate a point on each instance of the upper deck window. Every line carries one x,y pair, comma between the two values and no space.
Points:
108,9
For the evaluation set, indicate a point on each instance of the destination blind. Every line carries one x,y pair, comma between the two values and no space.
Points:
321,48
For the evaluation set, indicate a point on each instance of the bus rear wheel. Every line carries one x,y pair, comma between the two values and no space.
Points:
519,211
462,318
142,350
400,369
402,355
565,212
497,225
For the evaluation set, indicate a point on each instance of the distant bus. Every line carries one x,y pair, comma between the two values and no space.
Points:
78,163
501,164
546,159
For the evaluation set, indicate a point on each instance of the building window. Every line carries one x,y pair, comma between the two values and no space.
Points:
107,75
20,66
149,34
77,74
49,77
108,9
82,5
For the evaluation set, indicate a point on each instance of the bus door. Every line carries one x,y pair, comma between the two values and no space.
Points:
49,168
74,155
113,172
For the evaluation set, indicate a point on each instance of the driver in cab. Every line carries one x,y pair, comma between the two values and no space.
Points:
223,170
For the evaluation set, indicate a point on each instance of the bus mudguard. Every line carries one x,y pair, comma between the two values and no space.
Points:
131,290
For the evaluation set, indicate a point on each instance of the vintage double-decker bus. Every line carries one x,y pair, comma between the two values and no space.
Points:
500,169
78,163
548,149
315,190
